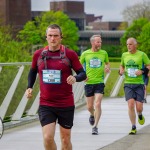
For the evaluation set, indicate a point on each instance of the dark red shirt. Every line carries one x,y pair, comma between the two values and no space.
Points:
57,95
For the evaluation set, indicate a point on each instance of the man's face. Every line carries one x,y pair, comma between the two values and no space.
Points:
131,45
53,37
97,42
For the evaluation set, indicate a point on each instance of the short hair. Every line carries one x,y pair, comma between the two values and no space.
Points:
133,39
54,26
93,37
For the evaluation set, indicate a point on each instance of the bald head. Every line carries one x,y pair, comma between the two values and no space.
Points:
133,40
131,45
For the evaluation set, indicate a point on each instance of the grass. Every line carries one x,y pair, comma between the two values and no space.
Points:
112,80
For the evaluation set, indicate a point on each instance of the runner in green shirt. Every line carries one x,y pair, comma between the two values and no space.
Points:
95,62
132,66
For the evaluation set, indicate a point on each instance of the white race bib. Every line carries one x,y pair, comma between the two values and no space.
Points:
52,76
95,63
131,72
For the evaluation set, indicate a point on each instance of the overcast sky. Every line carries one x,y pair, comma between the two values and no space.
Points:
111,10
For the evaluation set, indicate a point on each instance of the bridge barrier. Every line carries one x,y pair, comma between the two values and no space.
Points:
17,115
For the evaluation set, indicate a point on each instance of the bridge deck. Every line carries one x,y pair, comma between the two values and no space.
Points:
114,125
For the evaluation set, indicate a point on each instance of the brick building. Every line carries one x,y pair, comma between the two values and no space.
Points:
15,12
74,9
98,25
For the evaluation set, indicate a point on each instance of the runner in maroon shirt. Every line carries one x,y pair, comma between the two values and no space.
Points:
54,64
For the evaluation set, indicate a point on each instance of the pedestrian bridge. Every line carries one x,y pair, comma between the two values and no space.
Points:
23,132
14,76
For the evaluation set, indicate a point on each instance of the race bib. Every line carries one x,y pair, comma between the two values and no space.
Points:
95,63
52,76
131,72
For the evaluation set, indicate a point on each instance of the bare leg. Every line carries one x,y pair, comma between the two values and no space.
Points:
65,135
90,104
131,111
139,107
98,110
48,135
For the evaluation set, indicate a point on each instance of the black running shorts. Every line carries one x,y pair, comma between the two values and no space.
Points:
64,116
91,89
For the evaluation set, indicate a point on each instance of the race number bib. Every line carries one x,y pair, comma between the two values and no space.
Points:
131,72
52,76
95,63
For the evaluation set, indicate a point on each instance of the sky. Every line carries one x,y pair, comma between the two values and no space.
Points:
111,10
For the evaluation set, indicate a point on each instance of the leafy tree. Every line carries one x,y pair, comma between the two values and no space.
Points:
30,34
139,10
144,39
134,30
11,50
34,31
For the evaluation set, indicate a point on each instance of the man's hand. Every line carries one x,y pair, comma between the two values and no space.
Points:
29,93
71,80
107,69
139,72
121,70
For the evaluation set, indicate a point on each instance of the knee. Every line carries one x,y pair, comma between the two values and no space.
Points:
66,141
98,105
131,106
48,139
139,109
90,107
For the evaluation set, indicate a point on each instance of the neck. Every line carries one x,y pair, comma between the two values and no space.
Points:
54,48
94,50
134,51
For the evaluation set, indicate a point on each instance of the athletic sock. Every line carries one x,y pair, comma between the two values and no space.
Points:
133,127
140,116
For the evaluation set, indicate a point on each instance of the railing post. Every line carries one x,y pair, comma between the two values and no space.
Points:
10,93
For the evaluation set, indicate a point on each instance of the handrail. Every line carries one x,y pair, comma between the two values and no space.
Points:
78,90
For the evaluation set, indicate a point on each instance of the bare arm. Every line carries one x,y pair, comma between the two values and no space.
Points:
121,70
107,67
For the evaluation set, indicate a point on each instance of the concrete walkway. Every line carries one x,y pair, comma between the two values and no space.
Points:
114,127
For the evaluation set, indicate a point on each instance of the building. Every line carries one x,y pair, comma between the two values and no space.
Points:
108,37
99,25
92,18
74,9
15,12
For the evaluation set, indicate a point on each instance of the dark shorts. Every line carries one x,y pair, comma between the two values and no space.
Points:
64,116
91,89
135,91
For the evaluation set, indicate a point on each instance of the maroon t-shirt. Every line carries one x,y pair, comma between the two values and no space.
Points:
56,95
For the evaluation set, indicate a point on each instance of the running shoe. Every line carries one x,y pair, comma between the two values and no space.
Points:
141,119
91,120
95,131
132,132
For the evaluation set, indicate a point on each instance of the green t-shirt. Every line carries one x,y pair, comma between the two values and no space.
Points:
132,63
94,63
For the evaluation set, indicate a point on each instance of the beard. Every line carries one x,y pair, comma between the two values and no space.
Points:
97,47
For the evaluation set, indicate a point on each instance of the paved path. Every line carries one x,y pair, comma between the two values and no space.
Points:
113,131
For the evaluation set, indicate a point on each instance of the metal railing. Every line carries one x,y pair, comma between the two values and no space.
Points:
78,90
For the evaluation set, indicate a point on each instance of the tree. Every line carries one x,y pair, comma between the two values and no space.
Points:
144,39
34,31
139,10
10,49
134,30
